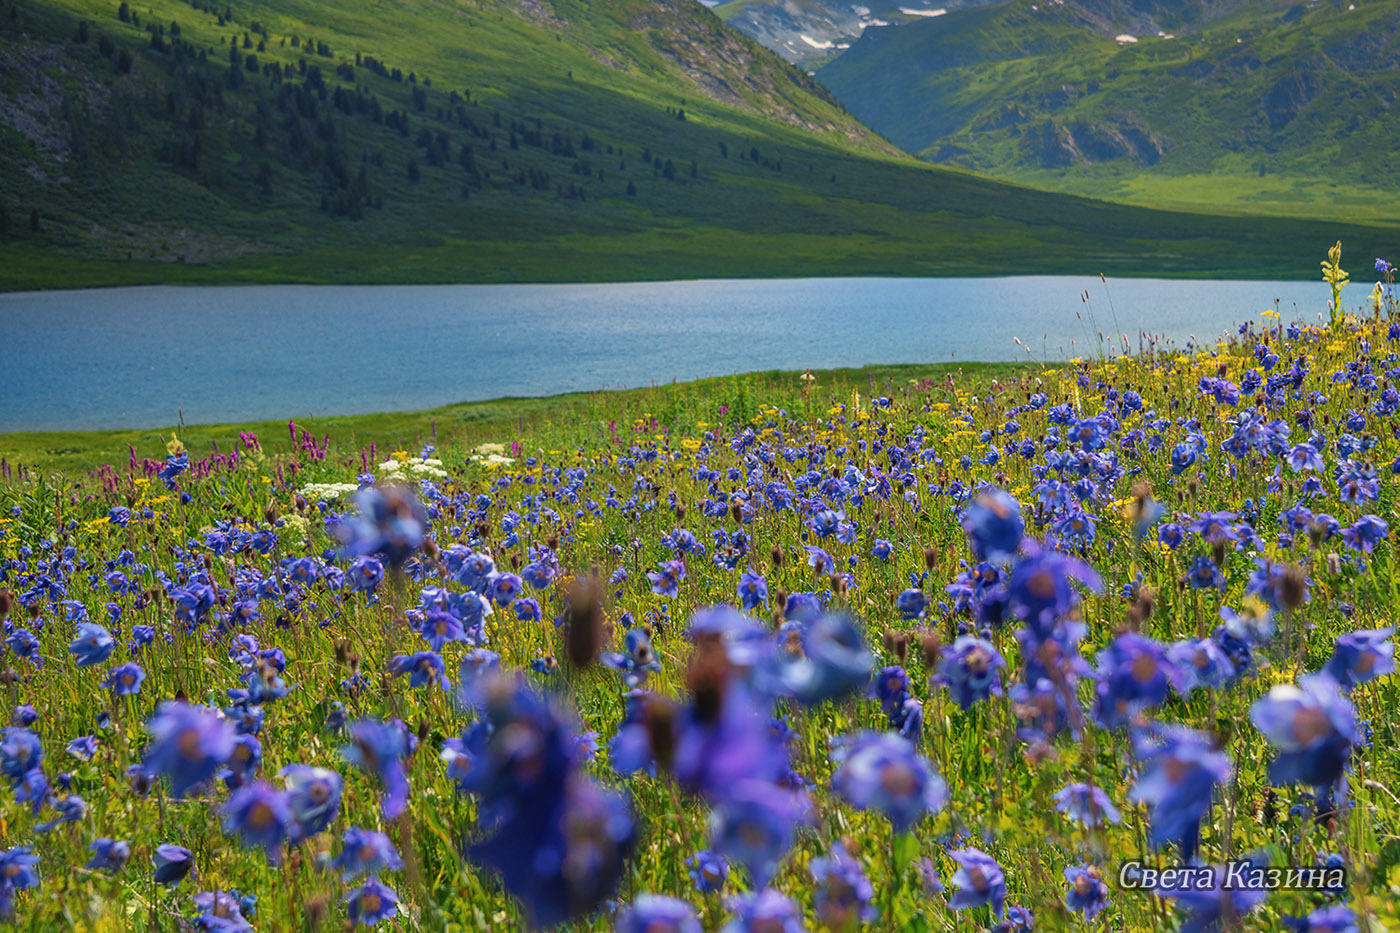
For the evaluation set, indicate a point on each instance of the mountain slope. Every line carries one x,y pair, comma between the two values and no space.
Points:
290,140
1282,108
811,32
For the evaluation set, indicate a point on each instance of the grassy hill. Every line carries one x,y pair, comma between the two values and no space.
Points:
1262,107
535,140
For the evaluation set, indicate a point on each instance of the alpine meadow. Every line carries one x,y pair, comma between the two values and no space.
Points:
665,467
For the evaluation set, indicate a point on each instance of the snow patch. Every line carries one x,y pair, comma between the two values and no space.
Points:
814,43
1124,39
908,12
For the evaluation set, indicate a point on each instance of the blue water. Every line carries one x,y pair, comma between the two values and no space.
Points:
137,357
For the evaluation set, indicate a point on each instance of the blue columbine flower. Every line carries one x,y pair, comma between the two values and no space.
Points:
844,897
547,813
125,679
17,873
666,581
502,588
764,911
1132,675
223,911
708,871
1313,727
1365,533
1088,804
994,525
244,762
1204,574
830,660
911,604
1334,919
439,628
188,744
891,688
880,771
754,825
655,913
365,574
365,852
424,669
109,855
259,816
70,809
1305,457
752,590
979,880
380,748
172,863
1088,894
1181,769
971,670
1198,662
1041,588
1210,908
83,747
1360,657
389,522
93,645
313,797
20,752
370,903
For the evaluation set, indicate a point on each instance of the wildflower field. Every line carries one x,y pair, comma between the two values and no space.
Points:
941,654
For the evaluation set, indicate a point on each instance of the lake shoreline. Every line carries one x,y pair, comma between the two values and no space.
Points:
158,355
61,449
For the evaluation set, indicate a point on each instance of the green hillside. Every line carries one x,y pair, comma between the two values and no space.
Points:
172,141
1262,107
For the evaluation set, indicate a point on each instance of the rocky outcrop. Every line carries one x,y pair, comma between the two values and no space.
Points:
1290,96
1058,145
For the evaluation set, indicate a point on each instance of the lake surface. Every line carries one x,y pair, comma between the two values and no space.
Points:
134,357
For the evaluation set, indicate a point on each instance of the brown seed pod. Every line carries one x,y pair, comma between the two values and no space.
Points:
583,634
930,648
660,718
1294,587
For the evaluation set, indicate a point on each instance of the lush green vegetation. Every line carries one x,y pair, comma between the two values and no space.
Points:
75,452
1158,471
1264,108
501,142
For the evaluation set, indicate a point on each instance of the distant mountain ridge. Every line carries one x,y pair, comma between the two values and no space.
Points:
1080,95
812,32
498,140
816,32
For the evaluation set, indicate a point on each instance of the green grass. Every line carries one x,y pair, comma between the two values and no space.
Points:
81,451
1000,788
